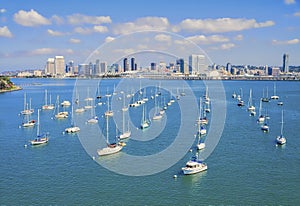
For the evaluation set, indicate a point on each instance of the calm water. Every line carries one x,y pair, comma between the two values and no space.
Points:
246,167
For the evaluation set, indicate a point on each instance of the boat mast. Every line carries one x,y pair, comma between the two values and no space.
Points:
281,132
38,124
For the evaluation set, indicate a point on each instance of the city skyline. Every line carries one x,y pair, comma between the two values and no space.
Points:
238,32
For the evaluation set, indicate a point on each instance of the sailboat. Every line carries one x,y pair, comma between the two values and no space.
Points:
124,108
88,100
79,109
109,112
93,119
28,122
281,140
27,110
40,138
110,148
201,129
145,123
265,126
60,115
157,114
261,117
274,95
194,166
265,98
251,108
240,99
206,97
47,106
73,128
125,133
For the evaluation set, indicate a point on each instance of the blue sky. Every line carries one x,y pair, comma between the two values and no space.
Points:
255,32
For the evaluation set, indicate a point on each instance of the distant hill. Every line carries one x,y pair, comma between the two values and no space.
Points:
6,85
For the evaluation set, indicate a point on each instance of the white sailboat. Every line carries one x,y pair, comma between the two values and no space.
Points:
145,123
94,118
79,109
206,97
274,95
73,128
265,98
194,166
28,122
60,115
110,148
251,107
261,117
88,100
109,112
157,115
27,109
47,106
126,133
124,108
40,138
281,140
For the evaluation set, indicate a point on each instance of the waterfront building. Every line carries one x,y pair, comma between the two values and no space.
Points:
285,66
97,67
103,67
59,65
196,63
125,65
153,66
133,64
50,69
275,71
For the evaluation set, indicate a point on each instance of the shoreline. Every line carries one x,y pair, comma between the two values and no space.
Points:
15,88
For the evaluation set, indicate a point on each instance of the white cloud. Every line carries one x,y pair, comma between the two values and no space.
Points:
239,37
74,41
109,39
142,24
57,19
221,25
55,33
85,30
100,29
81,30
49,51
30,18
42,51
202,39
297,13
163,38
2,10
83,19
4,32
227,46
286,42
288,2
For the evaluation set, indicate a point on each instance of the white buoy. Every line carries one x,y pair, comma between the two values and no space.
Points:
191,150
25,145
93,157
175,176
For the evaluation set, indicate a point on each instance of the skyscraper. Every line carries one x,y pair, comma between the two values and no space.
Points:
132,64
196,63
59,65
50,69
125,65
285,66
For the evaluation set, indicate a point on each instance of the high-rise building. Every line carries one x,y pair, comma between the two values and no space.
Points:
103,67
132,60
180,65
50,69
228,67
59,65
70,67
196,63
97,67
285,66
125,65
153,66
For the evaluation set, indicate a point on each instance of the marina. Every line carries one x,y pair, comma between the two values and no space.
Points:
246,163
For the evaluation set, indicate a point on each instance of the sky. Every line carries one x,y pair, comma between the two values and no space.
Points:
256,32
